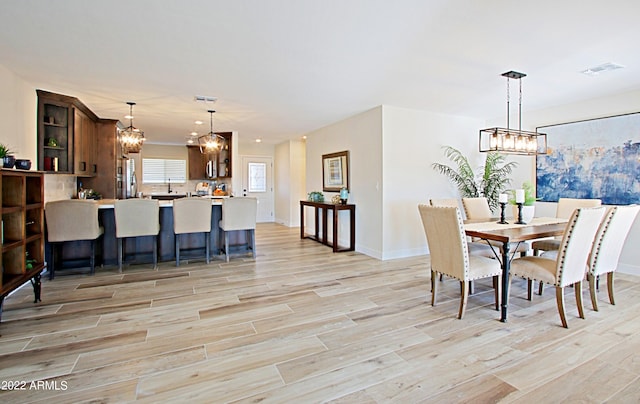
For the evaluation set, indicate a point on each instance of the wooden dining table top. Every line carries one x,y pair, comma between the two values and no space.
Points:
539,227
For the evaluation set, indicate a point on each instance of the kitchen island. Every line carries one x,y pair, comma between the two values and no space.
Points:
139,250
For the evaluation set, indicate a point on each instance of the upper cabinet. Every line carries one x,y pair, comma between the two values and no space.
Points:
211,165
66,135
224,156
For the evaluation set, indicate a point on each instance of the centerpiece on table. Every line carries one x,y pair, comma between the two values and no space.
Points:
526,196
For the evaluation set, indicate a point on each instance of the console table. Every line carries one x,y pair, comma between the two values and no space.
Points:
335,208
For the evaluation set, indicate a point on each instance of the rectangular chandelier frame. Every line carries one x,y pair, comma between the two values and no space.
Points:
512,141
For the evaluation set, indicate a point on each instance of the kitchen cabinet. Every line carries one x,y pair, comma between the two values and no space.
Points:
84,140
22,209
224,156
108,177
219,162
197,163
66,135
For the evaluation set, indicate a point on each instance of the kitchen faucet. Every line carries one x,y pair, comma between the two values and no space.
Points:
169,186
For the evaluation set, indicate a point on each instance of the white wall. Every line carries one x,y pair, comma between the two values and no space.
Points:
18,110
412,141
289,181
596,108
361,135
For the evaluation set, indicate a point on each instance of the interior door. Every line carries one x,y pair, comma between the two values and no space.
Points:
257,181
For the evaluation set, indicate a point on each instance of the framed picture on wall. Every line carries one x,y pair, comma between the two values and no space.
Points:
595,158
335,171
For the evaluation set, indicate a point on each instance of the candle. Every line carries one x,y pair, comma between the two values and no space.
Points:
519,195
503,198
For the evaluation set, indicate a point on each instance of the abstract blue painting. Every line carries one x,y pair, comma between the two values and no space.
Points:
597,158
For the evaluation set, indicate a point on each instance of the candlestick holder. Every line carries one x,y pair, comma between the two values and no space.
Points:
502,206
520,214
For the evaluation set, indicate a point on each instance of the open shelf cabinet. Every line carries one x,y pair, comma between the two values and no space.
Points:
22,210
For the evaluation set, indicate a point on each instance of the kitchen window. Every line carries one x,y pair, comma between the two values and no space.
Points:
163,171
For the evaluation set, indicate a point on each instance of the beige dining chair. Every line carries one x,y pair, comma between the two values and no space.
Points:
449,254
239,213
478,209
137,217
607,247
192,215
568,266
72,220
564,210
475,247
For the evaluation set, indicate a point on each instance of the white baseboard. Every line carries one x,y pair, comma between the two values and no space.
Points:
629,269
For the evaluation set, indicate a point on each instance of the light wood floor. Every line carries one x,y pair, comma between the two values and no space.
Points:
302,324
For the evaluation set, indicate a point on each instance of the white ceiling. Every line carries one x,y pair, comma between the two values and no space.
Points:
282,68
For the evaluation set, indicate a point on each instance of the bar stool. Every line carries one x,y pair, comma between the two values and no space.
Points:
136,218
239,213
192,215
72,220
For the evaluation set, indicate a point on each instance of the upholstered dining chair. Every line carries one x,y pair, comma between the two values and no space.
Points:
192,215
137,217
564,210
568,266
475,247
72,220
478,209
239,213
607,247
449,253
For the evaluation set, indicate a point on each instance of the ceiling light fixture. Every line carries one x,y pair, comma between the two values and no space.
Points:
513,141
131,138
210,142
605,67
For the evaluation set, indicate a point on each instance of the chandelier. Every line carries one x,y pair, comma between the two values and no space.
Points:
210,142
513,141
131,138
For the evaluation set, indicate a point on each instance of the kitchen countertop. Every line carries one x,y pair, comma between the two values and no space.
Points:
109,203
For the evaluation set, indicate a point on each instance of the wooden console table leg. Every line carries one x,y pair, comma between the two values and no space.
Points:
352,241
301,220
335,230
325,241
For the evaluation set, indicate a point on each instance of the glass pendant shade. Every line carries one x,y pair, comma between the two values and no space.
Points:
131,138
211,142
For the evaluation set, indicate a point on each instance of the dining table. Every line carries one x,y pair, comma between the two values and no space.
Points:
508,234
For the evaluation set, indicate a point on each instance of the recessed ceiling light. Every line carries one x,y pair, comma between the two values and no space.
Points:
605,67
205,98
258,140
198,122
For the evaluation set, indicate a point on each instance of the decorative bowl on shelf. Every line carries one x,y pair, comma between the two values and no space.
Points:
8,161
23,164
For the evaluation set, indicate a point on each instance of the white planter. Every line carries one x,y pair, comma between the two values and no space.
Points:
527,213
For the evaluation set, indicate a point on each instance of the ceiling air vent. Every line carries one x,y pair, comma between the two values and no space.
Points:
605,67
205,98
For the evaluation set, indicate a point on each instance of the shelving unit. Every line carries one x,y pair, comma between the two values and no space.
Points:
224,156
22,209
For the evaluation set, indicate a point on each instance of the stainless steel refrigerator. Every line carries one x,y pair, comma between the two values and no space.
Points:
129,184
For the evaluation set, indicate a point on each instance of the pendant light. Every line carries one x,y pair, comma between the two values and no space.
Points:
211,142
513,141
131,138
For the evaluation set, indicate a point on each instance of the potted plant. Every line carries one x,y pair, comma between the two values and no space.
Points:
488,181
528,206
315,196
8,160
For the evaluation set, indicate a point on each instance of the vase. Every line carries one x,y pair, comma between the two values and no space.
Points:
8,161
527,213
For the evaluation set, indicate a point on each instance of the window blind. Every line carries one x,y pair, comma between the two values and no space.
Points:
161,171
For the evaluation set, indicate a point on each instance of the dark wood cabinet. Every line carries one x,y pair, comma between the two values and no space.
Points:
108,176
220,161
224,156
22,210
84,138
66,135
197,163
